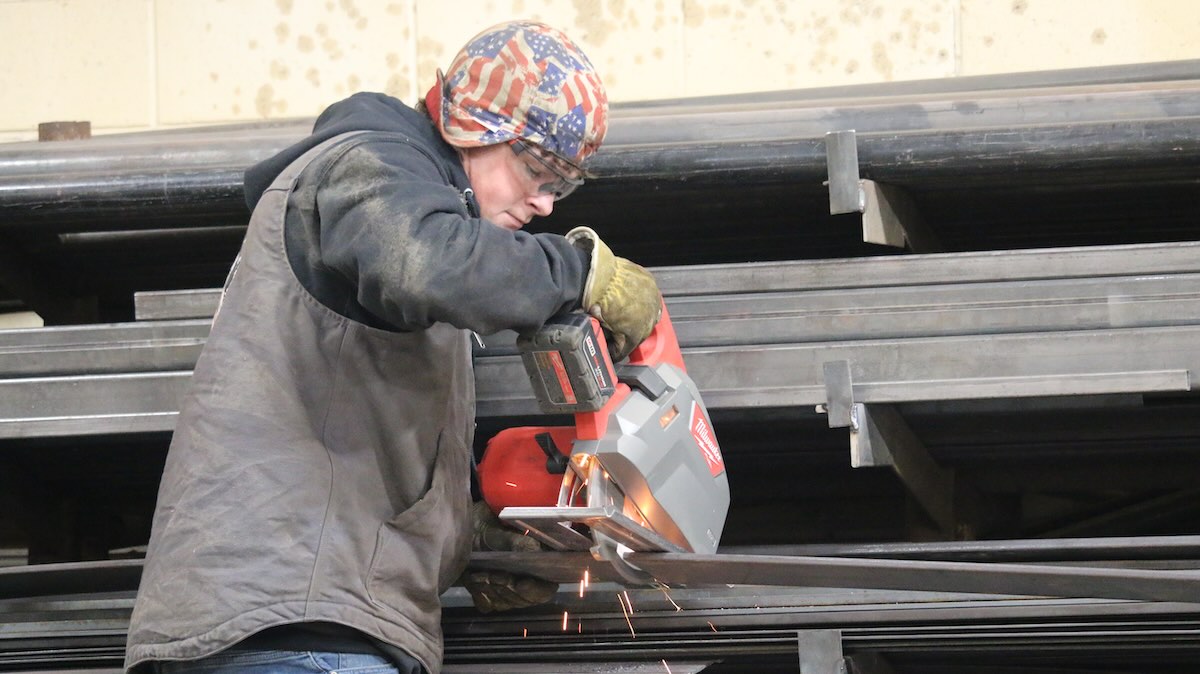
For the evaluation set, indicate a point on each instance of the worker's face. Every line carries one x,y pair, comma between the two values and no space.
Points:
508,185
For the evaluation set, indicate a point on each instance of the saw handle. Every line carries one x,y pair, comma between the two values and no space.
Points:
661,346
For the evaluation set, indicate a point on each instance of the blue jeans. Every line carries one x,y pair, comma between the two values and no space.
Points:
280,662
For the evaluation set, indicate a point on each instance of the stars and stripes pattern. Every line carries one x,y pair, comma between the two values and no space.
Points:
525,80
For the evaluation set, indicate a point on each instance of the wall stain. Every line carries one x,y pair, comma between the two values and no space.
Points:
285,6
266,103
281,31
851,66
313,76
305,43
349,8
879,58
395,9
1019,6
430,53
398,86
1099,36
693,13
590,17
279,71
253,44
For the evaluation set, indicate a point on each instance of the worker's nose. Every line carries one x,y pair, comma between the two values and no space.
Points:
542,204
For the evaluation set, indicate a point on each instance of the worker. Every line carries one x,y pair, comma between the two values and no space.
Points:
315,501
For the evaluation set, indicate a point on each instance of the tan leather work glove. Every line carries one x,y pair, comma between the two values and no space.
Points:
620,293
501,590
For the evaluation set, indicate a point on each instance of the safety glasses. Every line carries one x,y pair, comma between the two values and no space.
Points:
553,175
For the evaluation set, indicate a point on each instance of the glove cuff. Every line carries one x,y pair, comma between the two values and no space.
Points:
600,270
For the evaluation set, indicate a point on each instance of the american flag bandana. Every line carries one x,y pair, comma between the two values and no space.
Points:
523,80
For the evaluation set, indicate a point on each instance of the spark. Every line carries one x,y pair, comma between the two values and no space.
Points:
581,627
524,632
511,484
714,627
667,666
667,594
585,581
627,620
564,621
628,600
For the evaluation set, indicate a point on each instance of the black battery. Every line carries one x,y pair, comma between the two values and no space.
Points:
568,364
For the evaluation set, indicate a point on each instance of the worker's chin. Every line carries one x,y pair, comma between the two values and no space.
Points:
507,221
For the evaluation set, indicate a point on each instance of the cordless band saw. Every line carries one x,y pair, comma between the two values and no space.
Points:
640,470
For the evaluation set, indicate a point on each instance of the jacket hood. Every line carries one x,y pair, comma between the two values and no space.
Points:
360,112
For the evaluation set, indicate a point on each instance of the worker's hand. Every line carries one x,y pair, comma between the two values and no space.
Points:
621,294
493,535
501,590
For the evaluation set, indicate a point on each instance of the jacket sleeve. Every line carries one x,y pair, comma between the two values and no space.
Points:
401,235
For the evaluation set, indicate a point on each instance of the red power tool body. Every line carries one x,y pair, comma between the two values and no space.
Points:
639,470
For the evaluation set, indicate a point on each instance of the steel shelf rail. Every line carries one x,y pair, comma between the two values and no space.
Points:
193,177
692,624
909,332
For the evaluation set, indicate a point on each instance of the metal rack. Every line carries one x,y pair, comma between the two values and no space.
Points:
1026,381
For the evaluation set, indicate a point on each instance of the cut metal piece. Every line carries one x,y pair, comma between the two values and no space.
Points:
889,216
839,393
841,157
821,652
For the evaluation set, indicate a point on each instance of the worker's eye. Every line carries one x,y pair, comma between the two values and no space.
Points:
534,173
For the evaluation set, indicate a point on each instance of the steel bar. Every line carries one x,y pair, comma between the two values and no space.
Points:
204,196
937,368
907,273
688,569
718,320
811,112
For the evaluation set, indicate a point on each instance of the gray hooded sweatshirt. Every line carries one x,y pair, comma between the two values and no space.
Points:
319,470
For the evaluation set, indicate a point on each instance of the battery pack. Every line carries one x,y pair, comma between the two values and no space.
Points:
568,364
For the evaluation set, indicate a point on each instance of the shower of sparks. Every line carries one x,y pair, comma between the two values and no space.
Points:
564,621
627,620
667,666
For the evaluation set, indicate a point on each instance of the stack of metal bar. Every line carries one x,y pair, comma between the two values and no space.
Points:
982,457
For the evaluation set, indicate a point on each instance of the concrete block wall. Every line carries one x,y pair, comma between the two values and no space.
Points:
140,64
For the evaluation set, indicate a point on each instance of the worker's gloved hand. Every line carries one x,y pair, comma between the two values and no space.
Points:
620,293
501,590
493,535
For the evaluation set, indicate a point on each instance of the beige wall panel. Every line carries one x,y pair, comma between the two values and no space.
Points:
635,45
224,60
1022,35
733,46
75,60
